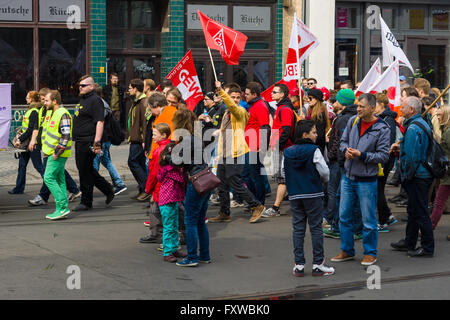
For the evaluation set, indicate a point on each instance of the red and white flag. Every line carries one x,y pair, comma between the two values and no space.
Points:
301,44
389,81
229,42
370,78
184,77
267,94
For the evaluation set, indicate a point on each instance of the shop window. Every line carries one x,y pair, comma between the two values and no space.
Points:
414,18
116,40
240,74
144,41
258,42
440,19
119,66
201,73
62,61
142,13
346,17
261,73
389,15
117,14
144,68
16,61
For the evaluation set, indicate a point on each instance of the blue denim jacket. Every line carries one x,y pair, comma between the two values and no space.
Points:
413,150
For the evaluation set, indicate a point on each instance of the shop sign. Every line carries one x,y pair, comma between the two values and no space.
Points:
342,17
251,18
17,10
61,10
217,13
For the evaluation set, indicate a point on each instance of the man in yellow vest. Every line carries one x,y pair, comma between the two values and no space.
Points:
57,145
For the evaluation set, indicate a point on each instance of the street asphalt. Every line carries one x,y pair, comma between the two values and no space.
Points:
249,261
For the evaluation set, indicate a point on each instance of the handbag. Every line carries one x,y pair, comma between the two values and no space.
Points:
24,144
204,181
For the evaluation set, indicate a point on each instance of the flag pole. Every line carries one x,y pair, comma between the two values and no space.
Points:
435,101
212,63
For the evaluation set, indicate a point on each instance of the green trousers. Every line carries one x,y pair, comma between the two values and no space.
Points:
55,181
169,214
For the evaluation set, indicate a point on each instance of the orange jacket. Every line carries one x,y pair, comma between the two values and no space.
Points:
166,116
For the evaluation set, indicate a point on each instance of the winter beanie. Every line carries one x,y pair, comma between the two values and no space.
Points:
345,97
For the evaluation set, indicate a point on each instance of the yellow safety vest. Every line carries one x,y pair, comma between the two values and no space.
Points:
52,135
26,118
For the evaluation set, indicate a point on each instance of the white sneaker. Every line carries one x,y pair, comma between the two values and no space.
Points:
271,212
74,196
235,204
322,270
37,201
299,270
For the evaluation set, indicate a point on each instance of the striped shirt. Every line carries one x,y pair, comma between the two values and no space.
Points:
64,129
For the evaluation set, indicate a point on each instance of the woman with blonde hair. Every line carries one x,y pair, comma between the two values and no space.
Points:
443,114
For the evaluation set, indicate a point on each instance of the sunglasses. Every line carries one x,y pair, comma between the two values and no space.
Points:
275,92
311,83
84,85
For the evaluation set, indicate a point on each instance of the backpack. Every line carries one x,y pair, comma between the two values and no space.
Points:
437,161
112,126
296,120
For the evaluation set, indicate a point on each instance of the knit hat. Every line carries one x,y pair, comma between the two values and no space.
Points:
346,97
316,93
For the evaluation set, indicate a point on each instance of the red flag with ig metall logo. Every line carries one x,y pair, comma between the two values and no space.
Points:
229,42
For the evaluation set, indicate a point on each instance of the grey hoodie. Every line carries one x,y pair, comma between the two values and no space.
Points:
374,146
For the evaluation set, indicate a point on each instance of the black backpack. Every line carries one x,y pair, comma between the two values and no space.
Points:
437,161
112,128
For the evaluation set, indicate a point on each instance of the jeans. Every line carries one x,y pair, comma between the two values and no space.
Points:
195,207
357,219
254,178
89,177
136,163
307,210
439,203
55,180
169,213
366,193
24,158
105,160
418,216
70,184
333,187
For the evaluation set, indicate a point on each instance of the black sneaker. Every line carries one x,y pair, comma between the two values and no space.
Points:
149,239
109,198
82,207
400,246
402,203
120,190
396,199
299,270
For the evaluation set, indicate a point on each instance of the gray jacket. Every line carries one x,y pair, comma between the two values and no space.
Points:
374,146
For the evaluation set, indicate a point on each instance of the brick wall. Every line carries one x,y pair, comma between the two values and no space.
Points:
172,39
98,40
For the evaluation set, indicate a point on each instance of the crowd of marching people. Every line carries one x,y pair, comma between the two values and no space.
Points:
331,155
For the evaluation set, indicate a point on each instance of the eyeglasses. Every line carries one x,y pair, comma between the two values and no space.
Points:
311,83
275,92
84,85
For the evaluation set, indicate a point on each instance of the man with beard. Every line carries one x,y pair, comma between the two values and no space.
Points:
88,122
57,146
114,94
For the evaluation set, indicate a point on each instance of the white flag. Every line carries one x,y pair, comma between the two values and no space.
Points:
301,44
370,78
391,48
389,81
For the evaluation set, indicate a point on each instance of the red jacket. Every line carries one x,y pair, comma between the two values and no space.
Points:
152,185
283,125
258,117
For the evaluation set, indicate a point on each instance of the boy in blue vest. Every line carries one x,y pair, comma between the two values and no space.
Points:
305,171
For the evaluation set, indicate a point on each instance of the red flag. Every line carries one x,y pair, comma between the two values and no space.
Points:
267,94
184,77
230,43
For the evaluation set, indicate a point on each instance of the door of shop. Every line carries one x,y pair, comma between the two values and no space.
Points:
346,59
134,66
